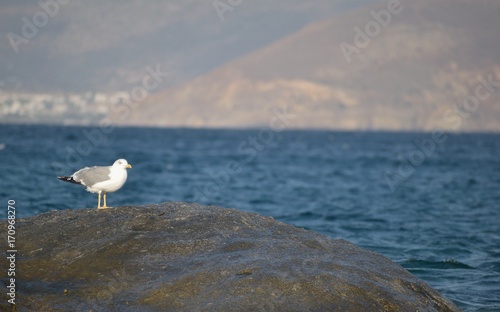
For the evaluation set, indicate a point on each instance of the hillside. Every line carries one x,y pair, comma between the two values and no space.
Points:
409,77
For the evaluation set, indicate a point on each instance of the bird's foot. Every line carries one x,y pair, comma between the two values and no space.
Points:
103,207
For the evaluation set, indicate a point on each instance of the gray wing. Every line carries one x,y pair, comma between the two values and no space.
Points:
93,175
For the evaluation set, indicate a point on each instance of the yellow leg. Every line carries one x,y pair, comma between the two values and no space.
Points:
105,206
99,201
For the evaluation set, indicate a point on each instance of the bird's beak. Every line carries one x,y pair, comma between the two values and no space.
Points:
129,166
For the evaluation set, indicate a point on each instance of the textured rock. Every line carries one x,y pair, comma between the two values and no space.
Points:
178,256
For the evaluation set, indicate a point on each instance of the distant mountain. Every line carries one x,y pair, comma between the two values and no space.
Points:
412,69
339,64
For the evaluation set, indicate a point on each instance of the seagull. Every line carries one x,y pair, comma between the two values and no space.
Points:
101,179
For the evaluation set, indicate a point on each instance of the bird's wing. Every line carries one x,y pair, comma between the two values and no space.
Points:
90,176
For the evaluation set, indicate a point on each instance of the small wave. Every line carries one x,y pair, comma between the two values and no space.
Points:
443,265
303,216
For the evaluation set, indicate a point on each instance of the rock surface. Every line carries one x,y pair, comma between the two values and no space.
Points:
187,257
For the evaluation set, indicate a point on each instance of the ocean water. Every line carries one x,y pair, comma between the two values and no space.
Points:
429,202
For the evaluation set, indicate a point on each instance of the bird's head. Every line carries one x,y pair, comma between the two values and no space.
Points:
122,163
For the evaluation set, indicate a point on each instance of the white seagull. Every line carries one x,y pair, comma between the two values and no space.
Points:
101,179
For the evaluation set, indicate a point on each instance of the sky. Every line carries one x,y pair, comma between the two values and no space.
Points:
64,46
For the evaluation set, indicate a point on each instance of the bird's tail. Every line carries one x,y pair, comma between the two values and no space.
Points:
68,179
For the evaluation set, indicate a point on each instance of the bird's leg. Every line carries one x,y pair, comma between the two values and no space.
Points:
99,200
105,206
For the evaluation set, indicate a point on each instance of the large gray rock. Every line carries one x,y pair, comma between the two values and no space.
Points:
186,257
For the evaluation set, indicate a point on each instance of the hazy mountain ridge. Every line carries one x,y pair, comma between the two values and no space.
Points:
261,56
441,50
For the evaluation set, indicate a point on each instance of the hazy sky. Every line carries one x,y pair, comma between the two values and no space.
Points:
105,45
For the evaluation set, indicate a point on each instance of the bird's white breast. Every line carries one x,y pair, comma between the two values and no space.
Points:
118,177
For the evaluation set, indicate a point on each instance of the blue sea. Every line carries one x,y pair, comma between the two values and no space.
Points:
430,202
